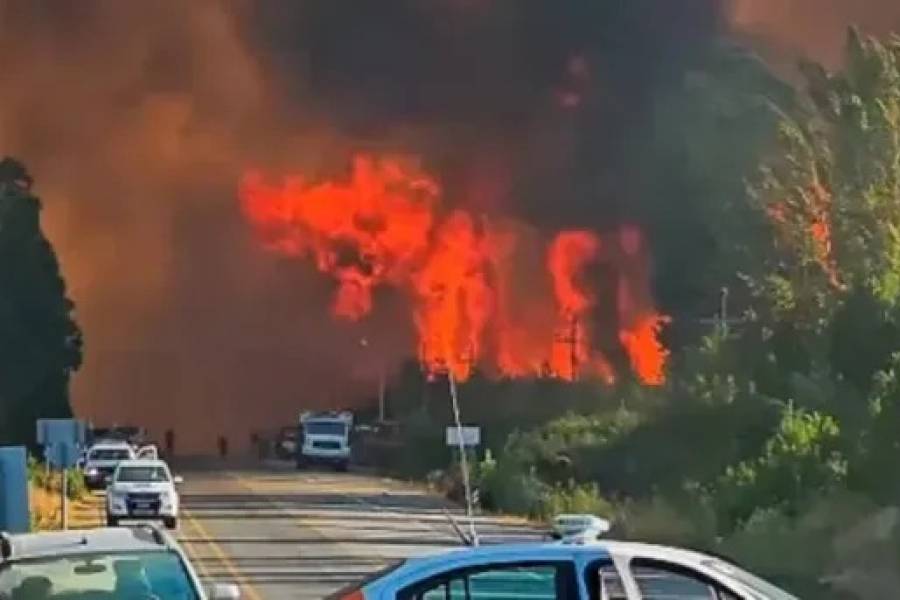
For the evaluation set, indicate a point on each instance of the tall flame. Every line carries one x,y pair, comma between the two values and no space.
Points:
384,225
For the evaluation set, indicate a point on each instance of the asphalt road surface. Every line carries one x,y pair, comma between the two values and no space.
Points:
280,533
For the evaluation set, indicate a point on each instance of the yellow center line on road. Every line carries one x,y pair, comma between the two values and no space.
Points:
194,557
223,558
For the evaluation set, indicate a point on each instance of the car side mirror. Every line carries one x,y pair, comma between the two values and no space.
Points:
224,591
177,479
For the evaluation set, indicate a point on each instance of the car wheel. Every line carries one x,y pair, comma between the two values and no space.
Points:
171,522
112,521
342,467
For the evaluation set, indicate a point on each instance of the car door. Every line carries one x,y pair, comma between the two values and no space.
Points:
664,580
552,580
149,452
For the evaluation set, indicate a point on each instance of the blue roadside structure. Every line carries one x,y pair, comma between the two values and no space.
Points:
14,513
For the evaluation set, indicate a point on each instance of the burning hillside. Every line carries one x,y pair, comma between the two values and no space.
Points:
385,224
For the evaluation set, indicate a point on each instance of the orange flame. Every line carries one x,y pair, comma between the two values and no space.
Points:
364,232
383,225
639,323
811,215
569,254
455,300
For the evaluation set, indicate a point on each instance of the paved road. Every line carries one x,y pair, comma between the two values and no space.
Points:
280,533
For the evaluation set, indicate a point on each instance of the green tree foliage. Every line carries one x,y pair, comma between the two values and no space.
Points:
802,459
828,266
40,343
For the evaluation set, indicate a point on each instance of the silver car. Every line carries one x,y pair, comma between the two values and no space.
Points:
115,562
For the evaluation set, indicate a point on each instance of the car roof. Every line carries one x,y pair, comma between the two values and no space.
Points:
460,557
143,462
466,556
111,444
72,543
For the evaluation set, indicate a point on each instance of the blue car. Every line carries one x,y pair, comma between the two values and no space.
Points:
566,570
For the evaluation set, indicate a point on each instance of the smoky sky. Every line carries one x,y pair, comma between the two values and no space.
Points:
486,77
137,120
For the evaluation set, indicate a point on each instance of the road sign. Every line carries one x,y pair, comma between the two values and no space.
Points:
471,436
61,431
61,455
14,516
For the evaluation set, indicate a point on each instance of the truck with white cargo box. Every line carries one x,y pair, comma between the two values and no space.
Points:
324,438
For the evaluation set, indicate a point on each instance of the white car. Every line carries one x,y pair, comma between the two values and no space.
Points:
143,489
579,570
132,563
101,460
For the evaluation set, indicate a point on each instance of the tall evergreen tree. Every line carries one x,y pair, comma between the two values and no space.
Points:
40,343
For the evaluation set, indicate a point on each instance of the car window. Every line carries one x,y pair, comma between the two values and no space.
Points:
142,474
658,580
109,454
499,582
325,428
534,582
158,575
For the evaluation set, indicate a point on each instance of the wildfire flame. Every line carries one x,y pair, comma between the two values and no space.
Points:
384,225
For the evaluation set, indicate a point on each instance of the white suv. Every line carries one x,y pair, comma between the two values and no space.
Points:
142,489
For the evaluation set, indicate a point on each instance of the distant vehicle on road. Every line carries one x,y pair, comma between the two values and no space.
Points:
324,438
134,563
143,489
574,568
101,459
286,443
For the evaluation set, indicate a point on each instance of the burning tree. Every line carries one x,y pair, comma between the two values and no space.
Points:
829,267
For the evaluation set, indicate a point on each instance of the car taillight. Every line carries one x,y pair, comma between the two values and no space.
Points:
356,594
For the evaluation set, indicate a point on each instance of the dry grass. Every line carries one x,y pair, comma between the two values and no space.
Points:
46,513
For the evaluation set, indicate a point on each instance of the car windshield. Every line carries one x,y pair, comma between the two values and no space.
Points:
760,586
109,454
325,428
158,575
138,474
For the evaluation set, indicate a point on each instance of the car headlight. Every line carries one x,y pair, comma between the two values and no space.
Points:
92,472
115,496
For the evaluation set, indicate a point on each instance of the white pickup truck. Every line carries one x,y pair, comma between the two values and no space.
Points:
324,438
101,460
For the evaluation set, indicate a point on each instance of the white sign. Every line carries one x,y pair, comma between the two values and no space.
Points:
471,436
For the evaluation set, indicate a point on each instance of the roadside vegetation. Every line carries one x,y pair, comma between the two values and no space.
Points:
776,437
44,493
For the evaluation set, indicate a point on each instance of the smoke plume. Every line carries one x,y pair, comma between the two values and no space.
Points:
139,120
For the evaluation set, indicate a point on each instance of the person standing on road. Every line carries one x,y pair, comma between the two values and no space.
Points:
170,443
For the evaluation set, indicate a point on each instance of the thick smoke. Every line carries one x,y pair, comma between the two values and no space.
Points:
785,30
137,120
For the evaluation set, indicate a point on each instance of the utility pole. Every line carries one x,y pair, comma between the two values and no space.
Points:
723,310
463,459
571,338
381,395
64,489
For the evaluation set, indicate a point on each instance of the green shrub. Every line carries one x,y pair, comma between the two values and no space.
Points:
801,460
512,488
75,485
574,498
